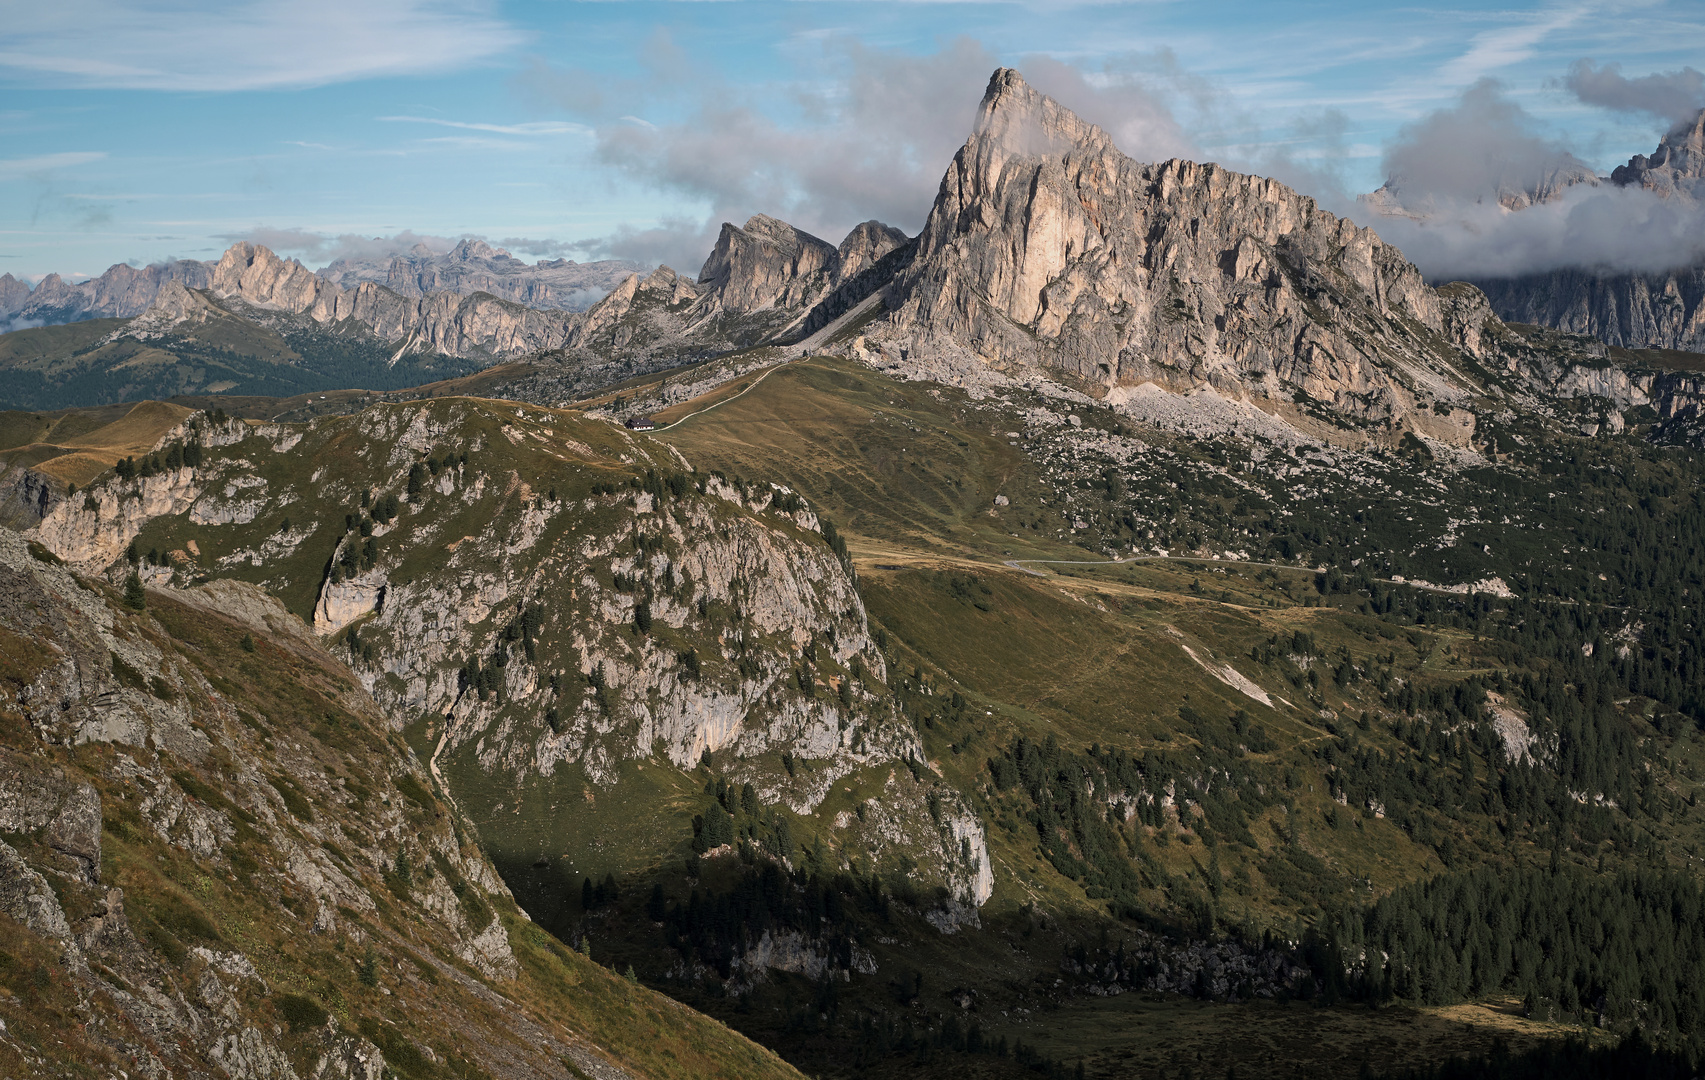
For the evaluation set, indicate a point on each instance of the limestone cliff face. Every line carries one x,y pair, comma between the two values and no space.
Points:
767,263
1047,246
1675,169
121,293
447,323
14,294
864,246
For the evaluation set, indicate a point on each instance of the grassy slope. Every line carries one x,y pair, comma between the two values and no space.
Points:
75,447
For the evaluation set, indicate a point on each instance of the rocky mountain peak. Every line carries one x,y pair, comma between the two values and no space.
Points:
1017,118
867,242
476,249
766,263
261,277
1047,246
1676,167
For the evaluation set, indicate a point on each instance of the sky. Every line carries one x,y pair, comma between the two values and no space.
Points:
135,132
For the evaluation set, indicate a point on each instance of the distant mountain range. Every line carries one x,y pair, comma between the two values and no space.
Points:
473,266
1046,247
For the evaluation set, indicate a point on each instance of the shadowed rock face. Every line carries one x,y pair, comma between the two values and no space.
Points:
1048,246
1665,311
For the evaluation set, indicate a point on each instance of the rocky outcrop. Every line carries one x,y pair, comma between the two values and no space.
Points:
1047,246
1675,169
92,530
163,982
342,602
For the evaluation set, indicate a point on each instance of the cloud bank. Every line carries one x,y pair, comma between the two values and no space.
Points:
1455,170
1484,149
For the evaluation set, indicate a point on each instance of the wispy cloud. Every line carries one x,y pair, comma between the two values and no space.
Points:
244,45
1494,50
42,163
540,127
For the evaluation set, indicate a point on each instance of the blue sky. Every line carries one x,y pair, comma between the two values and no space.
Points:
133,132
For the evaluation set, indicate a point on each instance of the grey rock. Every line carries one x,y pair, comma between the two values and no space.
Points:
1048,247
1675,168
26,896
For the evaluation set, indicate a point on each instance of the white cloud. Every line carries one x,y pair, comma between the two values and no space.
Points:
540,127
47,162
1494,50
246,45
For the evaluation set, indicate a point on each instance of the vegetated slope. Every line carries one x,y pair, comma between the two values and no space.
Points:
1404,731
219,860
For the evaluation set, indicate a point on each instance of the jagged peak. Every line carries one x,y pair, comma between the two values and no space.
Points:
1677,166
873,231
249,253
476,249
1024,120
